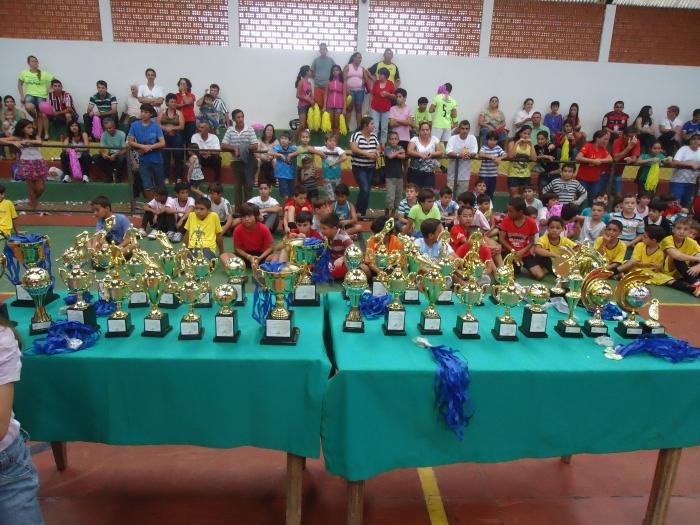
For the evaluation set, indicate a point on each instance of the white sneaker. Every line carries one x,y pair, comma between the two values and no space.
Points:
177,237
152,235
65,178
169,235
142,232
86,178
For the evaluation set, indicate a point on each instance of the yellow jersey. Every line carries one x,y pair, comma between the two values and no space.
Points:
556,249
210,227
688,247
612,255
658,257
7,214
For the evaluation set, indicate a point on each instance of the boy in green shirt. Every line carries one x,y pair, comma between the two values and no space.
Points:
425,209
421,114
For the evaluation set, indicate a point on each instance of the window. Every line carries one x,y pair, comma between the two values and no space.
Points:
37,19
286,24
423,27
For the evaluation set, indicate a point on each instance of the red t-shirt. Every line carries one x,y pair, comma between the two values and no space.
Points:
519,236
618,146
312,233
188,110
586,172
382,104
457,233
256,240
297,208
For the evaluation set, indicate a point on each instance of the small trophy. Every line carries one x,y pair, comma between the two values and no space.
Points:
561,268
395,316
632,293
447,267
569,327
279,325
652,325
431,284
504,275
354,284
226,321
234,267
596,292
409,251
77,282
154,283
169,264
505,328
189,292
534,323
305,293
135,267
353,260
470,295
119,323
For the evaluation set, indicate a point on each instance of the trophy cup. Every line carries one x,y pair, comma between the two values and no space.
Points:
505,328
305,255
37,282
432,284
200,268
354,284
226,321
279,325
189,292
234,267
135,267
168,263
504,275
631,294
569,327
119,323
78,281
154,283
446,268
652,325
596,292
380,257
470,295
395,316
31,254
409,251
534,323
561,268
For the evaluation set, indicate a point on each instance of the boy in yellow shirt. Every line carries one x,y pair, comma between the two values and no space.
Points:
649,255
8,215
549,246
682,258
203,230
610,245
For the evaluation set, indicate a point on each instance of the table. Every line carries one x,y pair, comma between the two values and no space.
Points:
149,391
534,398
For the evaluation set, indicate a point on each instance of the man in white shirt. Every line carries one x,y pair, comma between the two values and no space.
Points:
205,140
149,93
670,130
132,111
461,148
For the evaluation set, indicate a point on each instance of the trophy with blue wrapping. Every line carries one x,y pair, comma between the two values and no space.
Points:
305,253
28,251
278,280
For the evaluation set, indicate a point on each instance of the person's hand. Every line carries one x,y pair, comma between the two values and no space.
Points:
634,139
655,160
550,158
237,152
338,262
596,162
694,270
628,159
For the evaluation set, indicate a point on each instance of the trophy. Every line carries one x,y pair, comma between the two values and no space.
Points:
279,325
534,323
154,283
234,267
505,328
36,281
31,254
596,292
470,294
569,327
200,268
409,252
432,284
226,321
119,323
135,267
354,284
395,316
504,275
446,265
380,257
631,294
77,282
305,255
652,325
189,292
169,265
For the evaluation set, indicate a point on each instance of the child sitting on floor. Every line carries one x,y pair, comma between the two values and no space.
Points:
459,238
294,205
302,231
203,230
429,243
252,240
649,255
682,258
610,245
338,241
345,211
549,246
391,241
447,207
155,217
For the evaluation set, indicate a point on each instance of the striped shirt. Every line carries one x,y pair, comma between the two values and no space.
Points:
488,167
62,101
339,244
365,144
405,207
631,227
237,138
221,109
567,191
103,105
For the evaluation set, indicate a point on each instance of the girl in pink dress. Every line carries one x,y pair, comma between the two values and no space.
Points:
305,96
334,100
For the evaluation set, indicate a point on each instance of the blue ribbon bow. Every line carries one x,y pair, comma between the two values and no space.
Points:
663,346
322,268
66,337
13,265
262,298
372,307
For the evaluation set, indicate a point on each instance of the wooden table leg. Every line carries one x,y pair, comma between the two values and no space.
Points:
662,486
60,454
566,459
356,498
295,469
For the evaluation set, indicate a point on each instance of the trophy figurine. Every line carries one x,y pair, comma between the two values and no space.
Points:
447,267
200,267
504,275
77,282
354,284
154,283
505,328
234,267
279,325
596,292
395,316
189,292
632,294
119,323
569,327
469,294
409,251
305,255
534,323
169,264
431,284
226,321
652,325
379,255
30,254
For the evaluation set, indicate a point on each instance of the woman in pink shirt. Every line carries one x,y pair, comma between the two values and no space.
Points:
305,97
356,78
334,99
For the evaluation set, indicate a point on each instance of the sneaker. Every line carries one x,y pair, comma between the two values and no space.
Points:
169,235
177,237
65,178
152,235
86,178
142,232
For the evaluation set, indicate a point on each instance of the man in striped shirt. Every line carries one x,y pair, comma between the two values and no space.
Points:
242,142
62,107
102,104
567,188
338,242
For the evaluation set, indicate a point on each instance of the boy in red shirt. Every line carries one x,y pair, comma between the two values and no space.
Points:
459,237
294,205
252,240
302,231
338,241
517,234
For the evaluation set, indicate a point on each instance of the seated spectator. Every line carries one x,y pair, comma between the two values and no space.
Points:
294,205
391,242
447,207
220,206
459,237
209,149
592,225
345,210
616,121
102,104
181,206
304,230
682,258
62,106
425,209
632,224
520,152
269,207
567,188
203,230
565,142
649,256
102,208
531,198
517,234
112,156
524,116
155,218
576,124
646,161
77,139
10,116
208,113
553,120
645,124
548,247
691,127
252,240
547,166
610,245
493,120
429,242
338,242
132,109
537,126
670,131
655,217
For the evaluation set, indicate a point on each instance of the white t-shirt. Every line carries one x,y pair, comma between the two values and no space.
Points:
685,154
263,205
156,92
590,232
212,141
456,145
480,221
223,209
423,164
174,204
158,206
522,115
10,357
668,124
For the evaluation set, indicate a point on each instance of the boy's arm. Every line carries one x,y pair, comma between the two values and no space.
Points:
678,255
408,228
628,265
14,226
503,239
220,242
541,251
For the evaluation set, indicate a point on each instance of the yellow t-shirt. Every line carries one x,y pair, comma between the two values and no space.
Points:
210,226
616,254
35,86
689,247
391,67
7,213
556,249
658,257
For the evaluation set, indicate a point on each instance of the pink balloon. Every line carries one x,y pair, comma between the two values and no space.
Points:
45,107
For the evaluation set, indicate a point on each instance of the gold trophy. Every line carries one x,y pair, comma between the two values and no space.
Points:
200,267
505,328
135,267
534,323
409,252
4,312
119,323
562,267
632,294
305,293
380,257
469,294
596,292
652,325
234,267
395,316
569,327
226,321
30,255
279,325
168,260
190,292
447,267
77,282
504,275
355,284
153,282
431,284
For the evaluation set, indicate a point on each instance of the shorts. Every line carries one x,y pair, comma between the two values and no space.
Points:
358,97
34,100
334,110
286,187
303,110
194,183
533,260
404,144
442,134
518,182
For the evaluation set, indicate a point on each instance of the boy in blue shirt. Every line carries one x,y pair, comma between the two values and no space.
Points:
146,136
285,168
102,208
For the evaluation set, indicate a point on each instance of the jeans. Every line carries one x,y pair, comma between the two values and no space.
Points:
502,136
605,180
682,192
151,175
363,176
243,177
329,188
286,188
381,121
165,221
173,141
190,129
212,162
424,179
490,185
19,485
271,220
592,188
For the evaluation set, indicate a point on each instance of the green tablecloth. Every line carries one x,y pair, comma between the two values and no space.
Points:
533,398
147,391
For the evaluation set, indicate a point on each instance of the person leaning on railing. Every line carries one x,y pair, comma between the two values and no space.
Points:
112,156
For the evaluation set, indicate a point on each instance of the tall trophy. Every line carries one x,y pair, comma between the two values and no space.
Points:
431,284
153,282
596,292
569,327
279,325
505,328
30,254
226,321
470,294
380,257
77,282
447,267
652,325
355,284
504,275
534,323
189,292
409,251
305,255
168,260
135,268
632,294
234,268
119,323
395,316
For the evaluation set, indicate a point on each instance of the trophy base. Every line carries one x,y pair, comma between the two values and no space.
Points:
138,300
205,302
190,330
39,328
306,295
119,327
410,296
5,314
654,330
156,327
226,328
227,338
566,330
394,322
466,329
288,341
240,294
445,298
553,293
280,331
430,325
24,300
388,331
594,330
505,331
354,326
534,324
628,332
169,300
87,316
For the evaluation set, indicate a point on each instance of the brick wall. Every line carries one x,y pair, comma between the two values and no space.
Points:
546,30
37,19
646,35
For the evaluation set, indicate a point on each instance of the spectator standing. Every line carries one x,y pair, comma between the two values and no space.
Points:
576,124
685,175
691,127
356,79
77,140
365,151
423,149
387,63
33,87
645,125
206,140
242,142
146,136
219,105
591,156
132,111
334,95
553,120
172,121
322,66
185,103
444,110
461,148
524,116
150,92
383,94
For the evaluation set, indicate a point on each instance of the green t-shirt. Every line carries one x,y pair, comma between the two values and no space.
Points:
113,142
302,152
535,131
35,86
422,116
418,215
442,118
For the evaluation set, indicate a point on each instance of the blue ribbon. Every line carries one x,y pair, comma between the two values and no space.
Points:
663,346
452,381
72,299
611,312
62,334
102,308
322,268
13,265
372,307
262,298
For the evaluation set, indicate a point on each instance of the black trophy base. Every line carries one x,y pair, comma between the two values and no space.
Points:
87,316
534,324
392,332
226,328
190,330
394,322
504,331
466,329
494,300
288,341
313,299
413,297
39,328
156,327
119,327
628,332
566,330
5,314
594,330
206,303
430,325
169,300
289,334
354,326
557,294
654,330
241,299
